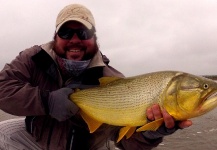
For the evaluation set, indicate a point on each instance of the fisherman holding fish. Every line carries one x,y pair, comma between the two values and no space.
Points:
38,82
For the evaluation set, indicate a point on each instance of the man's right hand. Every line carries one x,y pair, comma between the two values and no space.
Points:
60,107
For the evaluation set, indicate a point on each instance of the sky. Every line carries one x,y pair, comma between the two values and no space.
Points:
139,36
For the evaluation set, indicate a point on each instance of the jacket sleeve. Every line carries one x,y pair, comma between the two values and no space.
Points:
138,141
17,95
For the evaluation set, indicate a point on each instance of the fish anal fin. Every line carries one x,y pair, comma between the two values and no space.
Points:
106,80
126,131
154,125
130,132
93,124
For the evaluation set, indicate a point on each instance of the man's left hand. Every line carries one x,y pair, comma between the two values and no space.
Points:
154,112
169,127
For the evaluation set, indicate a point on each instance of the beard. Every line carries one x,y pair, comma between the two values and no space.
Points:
88,54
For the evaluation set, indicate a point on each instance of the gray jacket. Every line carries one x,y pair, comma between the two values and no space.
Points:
23,83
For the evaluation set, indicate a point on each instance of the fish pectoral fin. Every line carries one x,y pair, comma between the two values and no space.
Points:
105,80
126,131
154,125
93,124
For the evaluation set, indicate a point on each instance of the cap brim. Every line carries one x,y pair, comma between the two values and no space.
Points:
84,22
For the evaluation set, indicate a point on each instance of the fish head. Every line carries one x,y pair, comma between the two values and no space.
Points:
189,96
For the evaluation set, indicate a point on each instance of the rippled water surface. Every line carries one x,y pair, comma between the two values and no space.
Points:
202,135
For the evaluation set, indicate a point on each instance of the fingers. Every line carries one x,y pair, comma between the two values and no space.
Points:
157,112
185,124
168,119
154,112
150,114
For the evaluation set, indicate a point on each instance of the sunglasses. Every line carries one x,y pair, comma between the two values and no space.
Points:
68,33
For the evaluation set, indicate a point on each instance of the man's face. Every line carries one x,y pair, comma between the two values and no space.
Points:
74,48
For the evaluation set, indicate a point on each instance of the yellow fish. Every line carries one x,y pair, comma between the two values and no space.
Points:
123,101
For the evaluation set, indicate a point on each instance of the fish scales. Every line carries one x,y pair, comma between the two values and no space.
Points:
123,97
123,102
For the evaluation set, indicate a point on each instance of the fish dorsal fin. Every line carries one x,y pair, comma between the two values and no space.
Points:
126,131
106,80
76,90
154,125
93,124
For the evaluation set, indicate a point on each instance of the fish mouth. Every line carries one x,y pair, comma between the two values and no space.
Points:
210,102
212,95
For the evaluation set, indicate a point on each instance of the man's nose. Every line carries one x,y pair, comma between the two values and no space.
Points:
75,38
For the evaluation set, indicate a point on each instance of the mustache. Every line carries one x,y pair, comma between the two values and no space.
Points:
77,46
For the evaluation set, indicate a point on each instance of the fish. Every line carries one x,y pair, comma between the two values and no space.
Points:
123,102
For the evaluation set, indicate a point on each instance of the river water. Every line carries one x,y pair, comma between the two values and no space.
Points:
202,135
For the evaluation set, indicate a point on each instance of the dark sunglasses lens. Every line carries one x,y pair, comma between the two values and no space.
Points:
85,34
65,33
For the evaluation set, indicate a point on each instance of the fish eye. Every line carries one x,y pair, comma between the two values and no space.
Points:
205,86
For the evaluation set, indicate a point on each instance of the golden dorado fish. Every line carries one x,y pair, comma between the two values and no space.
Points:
123,101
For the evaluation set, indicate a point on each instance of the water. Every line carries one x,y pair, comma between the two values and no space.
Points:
202,135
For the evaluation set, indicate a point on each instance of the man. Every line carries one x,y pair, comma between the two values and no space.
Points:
37,83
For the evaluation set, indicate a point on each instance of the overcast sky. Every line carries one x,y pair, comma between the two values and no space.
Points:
139,36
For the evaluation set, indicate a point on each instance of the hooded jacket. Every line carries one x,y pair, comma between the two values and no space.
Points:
24,83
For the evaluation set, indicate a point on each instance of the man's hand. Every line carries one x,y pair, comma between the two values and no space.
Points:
169,127
60,107
155,112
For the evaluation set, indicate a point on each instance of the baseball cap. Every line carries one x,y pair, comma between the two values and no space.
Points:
75,12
